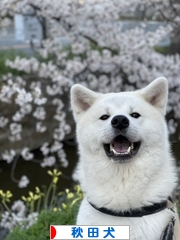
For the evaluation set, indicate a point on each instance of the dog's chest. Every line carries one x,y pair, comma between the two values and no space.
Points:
141,228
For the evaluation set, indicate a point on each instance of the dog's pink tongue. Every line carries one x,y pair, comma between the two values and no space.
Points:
121,146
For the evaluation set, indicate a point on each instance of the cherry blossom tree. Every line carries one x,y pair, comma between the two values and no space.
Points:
99,53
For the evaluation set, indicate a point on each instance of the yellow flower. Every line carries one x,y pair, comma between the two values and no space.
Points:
50,173
37,190
54,173
78,191
66,190
8,194
5,195
31,198
55,179
1,192
74,201
64,206
31,194
70,195
26,199
55,209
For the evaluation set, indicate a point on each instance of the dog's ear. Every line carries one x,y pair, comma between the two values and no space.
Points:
81,99
156,93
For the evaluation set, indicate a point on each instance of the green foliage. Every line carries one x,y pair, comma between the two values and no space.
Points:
163,50
53,208
40,230
9,54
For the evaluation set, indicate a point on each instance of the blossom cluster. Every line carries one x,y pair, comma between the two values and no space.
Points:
11,220
31,106
99,54
16,215
25,213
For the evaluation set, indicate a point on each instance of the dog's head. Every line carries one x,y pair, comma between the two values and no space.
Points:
120,126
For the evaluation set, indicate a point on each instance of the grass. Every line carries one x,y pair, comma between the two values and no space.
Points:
40,230
50,207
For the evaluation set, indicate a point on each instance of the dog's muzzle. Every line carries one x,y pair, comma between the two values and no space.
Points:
121,149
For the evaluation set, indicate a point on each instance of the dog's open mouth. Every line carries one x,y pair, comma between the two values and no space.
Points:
121,149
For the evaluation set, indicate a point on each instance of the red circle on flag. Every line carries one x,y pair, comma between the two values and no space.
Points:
53,232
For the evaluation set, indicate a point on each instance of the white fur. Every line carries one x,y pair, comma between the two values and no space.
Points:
148,178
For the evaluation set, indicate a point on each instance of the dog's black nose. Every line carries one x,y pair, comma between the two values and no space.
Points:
120,122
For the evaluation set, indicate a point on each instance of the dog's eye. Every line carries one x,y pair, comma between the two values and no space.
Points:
135,115
104,117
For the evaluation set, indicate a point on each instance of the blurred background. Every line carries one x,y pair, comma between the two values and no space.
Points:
46,46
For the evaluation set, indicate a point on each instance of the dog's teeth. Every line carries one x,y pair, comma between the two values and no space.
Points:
132,146
129,149
111,148
117,154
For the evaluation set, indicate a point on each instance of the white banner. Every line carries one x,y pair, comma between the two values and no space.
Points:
58,232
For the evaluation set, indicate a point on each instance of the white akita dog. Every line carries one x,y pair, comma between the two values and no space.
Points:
126,169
